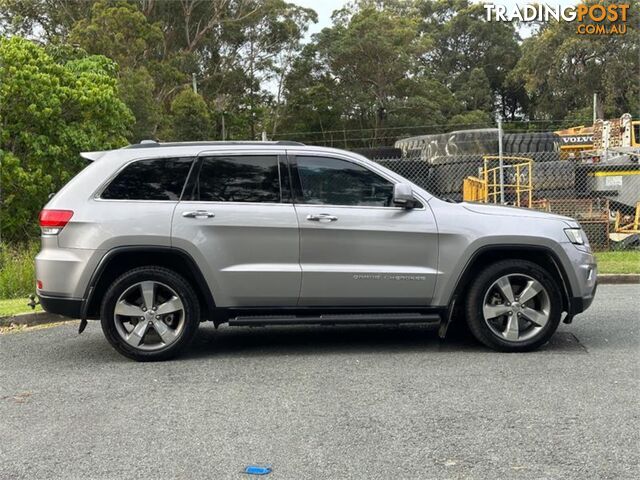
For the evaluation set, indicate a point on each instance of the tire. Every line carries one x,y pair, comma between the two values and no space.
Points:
150,333
531,324
375,153
554,175
518,143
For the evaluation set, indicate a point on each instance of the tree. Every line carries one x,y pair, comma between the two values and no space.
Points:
50,20
371,55
312,106
364,73
120,31
271,42
562,70
463,41
137,88
371,52
50,110
474,91
471,119
190,118
234,48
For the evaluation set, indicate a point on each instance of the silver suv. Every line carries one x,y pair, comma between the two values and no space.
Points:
153,239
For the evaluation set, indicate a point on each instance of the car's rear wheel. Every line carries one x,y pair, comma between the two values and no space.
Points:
514,306
150,313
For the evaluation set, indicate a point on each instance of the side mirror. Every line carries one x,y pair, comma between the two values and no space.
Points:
403,195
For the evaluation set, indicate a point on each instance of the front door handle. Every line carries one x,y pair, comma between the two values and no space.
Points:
322,217
198,214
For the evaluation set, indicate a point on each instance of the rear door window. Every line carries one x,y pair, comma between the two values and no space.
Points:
153,179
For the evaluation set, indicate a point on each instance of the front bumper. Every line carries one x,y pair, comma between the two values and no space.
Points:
580,304
582,276
67,307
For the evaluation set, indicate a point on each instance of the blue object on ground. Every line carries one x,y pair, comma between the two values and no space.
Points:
256,470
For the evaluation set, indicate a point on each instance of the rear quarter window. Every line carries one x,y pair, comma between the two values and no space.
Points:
153,179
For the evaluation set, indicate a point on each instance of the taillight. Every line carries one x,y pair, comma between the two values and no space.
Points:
53,221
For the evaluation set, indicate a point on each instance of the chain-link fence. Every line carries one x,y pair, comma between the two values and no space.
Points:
604,196
590,173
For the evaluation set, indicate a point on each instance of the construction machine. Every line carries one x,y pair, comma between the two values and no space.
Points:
603,139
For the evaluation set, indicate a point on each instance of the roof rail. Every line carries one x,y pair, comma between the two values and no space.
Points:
289,142
154,144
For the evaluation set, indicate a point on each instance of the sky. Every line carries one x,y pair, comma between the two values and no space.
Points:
324,8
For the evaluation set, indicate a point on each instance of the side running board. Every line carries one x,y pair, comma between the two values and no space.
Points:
332,318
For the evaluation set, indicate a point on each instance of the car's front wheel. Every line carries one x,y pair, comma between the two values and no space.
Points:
150,313
514,306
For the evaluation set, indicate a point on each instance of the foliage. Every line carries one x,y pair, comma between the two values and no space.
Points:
51,20
120,31
464,45
50,110
474,91
472,119
136,88
189,117
312,105
365,72
561,70
17,275
372,53
233,49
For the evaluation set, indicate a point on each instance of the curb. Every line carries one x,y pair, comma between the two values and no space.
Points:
618,279
31,319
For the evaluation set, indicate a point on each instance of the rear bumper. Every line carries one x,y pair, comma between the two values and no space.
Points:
64,272
68,307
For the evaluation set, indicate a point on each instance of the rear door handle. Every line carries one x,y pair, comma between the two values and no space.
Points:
198,214
322,217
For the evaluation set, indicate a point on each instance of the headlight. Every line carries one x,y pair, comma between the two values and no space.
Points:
575,235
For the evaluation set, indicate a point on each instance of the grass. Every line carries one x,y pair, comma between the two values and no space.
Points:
627,261
14,306
17,276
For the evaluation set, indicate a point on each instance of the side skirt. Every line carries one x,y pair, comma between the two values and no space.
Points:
330,316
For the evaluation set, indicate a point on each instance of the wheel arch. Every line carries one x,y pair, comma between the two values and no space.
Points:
543,256
121,259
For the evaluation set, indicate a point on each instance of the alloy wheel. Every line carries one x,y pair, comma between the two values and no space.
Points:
149,315
516,307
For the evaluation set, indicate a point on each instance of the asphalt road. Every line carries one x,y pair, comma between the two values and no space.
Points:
328,403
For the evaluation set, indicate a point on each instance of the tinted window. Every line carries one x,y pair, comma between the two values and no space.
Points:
330,181
156,179
239,179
